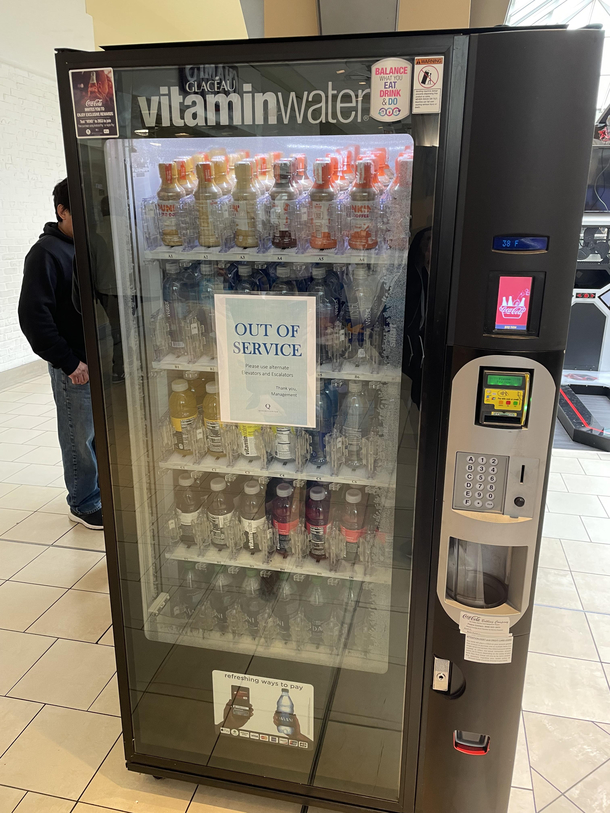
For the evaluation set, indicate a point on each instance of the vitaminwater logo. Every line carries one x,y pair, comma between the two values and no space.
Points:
173,108
391,81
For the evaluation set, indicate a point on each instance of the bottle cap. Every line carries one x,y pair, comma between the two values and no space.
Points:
186,479
245,270
353,495
282,169
283,271
218,484
354,386
179,385
317,493
364,172
243,171
204,172
284,490
191,375
212,387
251,487
321,171
318,273
261,162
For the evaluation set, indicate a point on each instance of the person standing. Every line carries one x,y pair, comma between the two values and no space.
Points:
54,329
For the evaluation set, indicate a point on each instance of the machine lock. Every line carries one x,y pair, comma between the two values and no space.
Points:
475,745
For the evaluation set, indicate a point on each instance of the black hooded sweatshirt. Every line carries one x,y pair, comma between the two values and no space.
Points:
49,320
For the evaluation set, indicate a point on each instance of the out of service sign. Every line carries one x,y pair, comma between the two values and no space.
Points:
427,84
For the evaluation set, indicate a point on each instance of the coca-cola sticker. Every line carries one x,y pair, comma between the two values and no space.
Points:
391,89
513,303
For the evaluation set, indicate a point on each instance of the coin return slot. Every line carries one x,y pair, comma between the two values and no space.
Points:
522,477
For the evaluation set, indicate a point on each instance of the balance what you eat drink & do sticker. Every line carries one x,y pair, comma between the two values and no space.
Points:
94,103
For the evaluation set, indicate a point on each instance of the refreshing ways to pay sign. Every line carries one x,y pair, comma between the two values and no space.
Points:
266,359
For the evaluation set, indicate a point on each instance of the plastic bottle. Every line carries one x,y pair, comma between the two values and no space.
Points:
284,284
192,588
221,180
209,284
285,443
188,506
260,277
220,510
283,518
207,195
176,305
211,420
352,522
363,208
252,604
303,180
183,414
358,316
252,516
326,311
168,203
321,195
385,173
333,160
317,514
286,606
245,283
196,386
398,204
245,196
222,596
183,176
317,609
324,425
262,169
283,205
285,711
355,421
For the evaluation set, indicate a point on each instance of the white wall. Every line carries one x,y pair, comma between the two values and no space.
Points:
31,149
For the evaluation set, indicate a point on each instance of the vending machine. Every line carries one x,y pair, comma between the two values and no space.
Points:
326,287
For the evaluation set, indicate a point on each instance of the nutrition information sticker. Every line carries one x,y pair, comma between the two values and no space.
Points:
428,84
94,103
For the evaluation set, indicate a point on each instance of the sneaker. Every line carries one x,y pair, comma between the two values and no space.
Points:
117,378
92,520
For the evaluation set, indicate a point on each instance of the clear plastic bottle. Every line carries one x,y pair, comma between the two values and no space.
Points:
221,180
327,310
283,516
183,176
285,712
188,506
245,197
220,510
245,283
176,305
358,315
168,203
324,425
285,443
284,284
352,522
355,420
192,588
209,284
252,515
318,609
363,208
286,606
196,386
398,205
317,512
252,603
183,414
211,420
207,195
283,205
222,596
259,277
323,234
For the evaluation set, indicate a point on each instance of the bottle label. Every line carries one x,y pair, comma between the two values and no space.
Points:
321,218
285,528
281,215
167,211
208,213
245,215
251,526
284,442
187,519
317,539
351,535
218,523
354,440
181,428
248,439
213,435
362,225
173,314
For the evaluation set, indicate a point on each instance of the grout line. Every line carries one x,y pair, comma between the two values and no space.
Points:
120,737
101,691
58,706
30,668
538,810
23,729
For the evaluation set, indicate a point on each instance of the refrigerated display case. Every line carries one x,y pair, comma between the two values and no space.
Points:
269,235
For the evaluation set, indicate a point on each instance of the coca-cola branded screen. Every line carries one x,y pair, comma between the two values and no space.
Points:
512,308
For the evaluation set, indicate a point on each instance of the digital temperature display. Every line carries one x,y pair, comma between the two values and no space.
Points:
520,243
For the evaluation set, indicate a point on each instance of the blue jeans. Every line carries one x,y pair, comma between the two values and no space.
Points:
77,442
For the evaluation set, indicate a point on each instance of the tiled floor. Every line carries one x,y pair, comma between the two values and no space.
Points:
60,748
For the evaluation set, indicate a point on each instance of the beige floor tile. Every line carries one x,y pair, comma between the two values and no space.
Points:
597,468
35,475
29,437
40,398
582,504
9,469
521,801
10,395
81,807
585,484
10,798
107,702
24,422
556,588
564,526
607,671
19,652
9,517
218,800
83,538
59,483
16,555
48,439
41,528
544,792
78,615
592,795
13,451
70,673
44,455
564,751
594,591
522,777
600,627
29,498
59,567
568,687
598,529
6,488
59,505
566,465
37,803
107,638
96,580
552,555
116,787
15,715
556,482
561,632
562,805
49,425
21,604
587,557
59,752
29,408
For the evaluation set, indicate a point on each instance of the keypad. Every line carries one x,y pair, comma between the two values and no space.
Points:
480,481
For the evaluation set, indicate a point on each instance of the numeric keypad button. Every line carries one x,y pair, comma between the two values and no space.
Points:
491,487
492,478
481,468
470,476
493,469
467,502
470,458
489,504
491,495
478,494
468,493
478,503
493,461
469,467
482,460
480,477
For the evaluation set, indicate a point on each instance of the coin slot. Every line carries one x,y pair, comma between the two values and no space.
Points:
522,477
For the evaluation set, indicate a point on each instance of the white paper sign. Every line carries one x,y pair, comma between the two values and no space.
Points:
269,711
428,84
484,626
266,359
488,650
391,89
